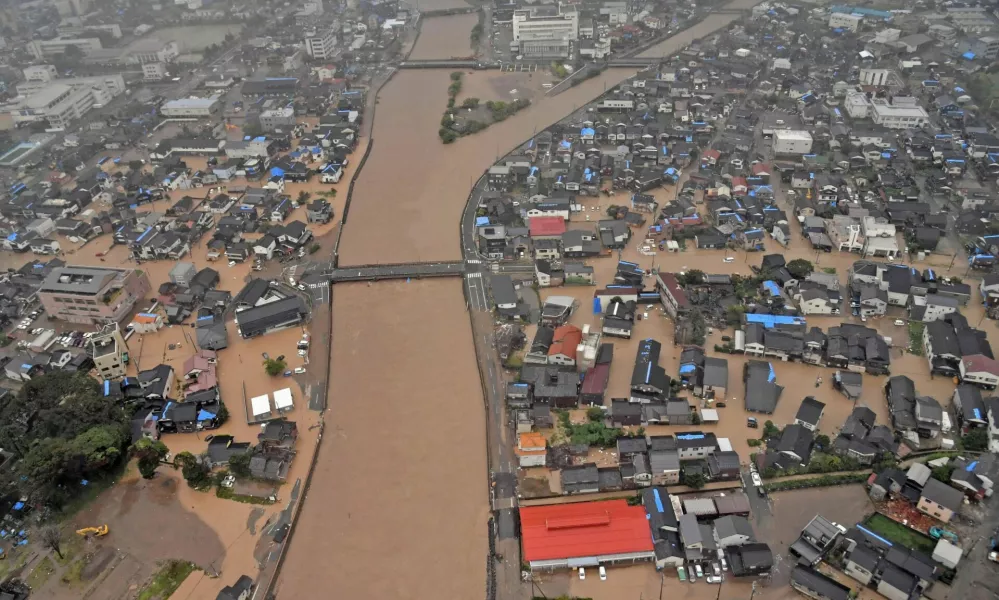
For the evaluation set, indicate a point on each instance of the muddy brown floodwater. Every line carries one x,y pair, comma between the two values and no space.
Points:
398,502
441,37
397,507
409,196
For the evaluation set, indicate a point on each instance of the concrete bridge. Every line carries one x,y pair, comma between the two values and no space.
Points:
447,64
397,271
446,12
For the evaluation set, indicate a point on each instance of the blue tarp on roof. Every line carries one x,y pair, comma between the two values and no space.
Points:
481,221
971,467
968,55
770,321
204,415
772,288
587,131
659,502
687,369
690,436
277,172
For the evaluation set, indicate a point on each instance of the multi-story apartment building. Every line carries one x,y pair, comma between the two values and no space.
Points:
110,352
902,113
545,31
59,104
151,50
40,73
112,84
321,44
154,71
92,295
277,118
43,48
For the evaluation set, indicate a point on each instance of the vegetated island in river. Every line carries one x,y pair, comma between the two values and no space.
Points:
472,116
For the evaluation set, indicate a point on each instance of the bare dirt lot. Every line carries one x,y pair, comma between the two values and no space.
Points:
402,470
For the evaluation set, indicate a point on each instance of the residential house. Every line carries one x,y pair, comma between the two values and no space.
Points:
980,370
664,466
809,413
815,585
733,530
816,539
750,560
939,500
532,450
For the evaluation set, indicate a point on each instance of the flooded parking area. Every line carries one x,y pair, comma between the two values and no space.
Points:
402,469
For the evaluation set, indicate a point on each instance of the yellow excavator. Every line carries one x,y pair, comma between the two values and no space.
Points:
94,531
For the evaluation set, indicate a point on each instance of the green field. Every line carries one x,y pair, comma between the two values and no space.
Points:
900,534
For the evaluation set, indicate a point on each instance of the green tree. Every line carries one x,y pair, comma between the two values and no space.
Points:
693,480
99,446
691,277
800,268
135,165
770,430
976,440
822,441
195,473
456,75
239,464
150,453
733,314
942,473
44,464
274,367
303,197
595,414
470,103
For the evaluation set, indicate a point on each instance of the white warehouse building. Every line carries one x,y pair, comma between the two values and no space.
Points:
191,107
792,141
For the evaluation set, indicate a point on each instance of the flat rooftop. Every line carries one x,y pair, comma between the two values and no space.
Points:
79,280
43,97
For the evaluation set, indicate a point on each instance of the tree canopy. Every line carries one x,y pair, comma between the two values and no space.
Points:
800,268
64,431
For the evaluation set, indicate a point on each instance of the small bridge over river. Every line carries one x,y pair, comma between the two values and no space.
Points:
397,271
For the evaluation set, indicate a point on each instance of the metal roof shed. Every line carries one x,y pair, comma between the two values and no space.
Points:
283,399
260,405
701,507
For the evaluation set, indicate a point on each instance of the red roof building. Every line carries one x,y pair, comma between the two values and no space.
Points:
547,227
585,534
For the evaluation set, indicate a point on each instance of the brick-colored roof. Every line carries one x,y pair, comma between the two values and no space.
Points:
567,337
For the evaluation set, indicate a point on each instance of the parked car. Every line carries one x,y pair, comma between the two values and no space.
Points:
699,570
582,573
603,573
299,370
752,423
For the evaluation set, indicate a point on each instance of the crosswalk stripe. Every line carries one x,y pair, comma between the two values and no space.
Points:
473,275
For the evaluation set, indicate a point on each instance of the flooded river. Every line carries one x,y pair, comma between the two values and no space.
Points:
409,196
441,37
398,503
